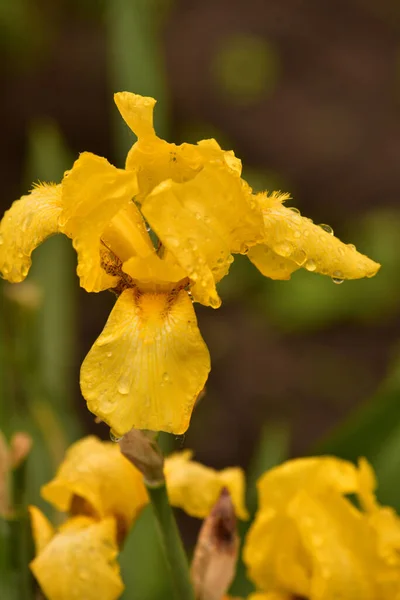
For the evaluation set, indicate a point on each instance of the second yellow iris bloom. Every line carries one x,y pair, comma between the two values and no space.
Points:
150,363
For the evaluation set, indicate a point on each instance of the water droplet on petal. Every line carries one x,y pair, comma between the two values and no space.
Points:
297,234
109,354
283,249
352,246
294,209
24,270
1,239
123,387
148,228
114,437
165,377
326,228
310,265
337,277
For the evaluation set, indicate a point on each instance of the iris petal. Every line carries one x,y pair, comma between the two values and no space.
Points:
195,488
80,562
149,364
28,222
93,192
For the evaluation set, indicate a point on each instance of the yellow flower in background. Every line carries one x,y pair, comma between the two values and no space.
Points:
150,363
308,539
195,488
78,560
96,480
103,494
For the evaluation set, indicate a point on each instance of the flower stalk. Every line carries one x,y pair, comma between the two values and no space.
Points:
171,542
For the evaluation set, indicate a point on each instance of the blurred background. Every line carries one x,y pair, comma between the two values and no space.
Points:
307,93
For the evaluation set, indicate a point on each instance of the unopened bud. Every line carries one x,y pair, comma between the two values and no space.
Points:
216,553
142,450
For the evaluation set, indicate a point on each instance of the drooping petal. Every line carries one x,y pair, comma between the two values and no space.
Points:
42,529
315,474
270,264
99,474
93,192
24,226
80,562
298,239
149,364
195,488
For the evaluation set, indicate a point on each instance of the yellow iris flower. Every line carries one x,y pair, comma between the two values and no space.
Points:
309,540
103,494
150,363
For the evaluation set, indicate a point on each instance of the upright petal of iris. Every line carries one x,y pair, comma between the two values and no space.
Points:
149,364
195,488
24,226
97,473
93,192
202,222
80,562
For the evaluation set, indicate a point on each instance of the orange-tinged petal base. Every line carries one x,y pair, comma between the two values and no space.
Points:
149,364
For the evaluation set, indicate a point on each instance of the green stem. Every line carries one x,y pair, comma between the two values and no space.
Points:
171,542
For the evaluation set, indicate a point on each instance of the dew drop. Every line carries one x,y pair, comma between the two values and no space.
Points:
352,246
165,377
148,228
123,387
114,437
337,277
109,354
24,270
283,249
297,234
294,210
326,228
1,239
310,265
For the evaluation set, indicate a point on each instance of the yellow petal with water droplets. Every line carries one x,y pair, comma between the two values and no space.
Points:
42,529
195,488
148,365
28,222
80,562
137,112
99,474
316,475
201,222
271,264
298,239
340,545
153,269
93,192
